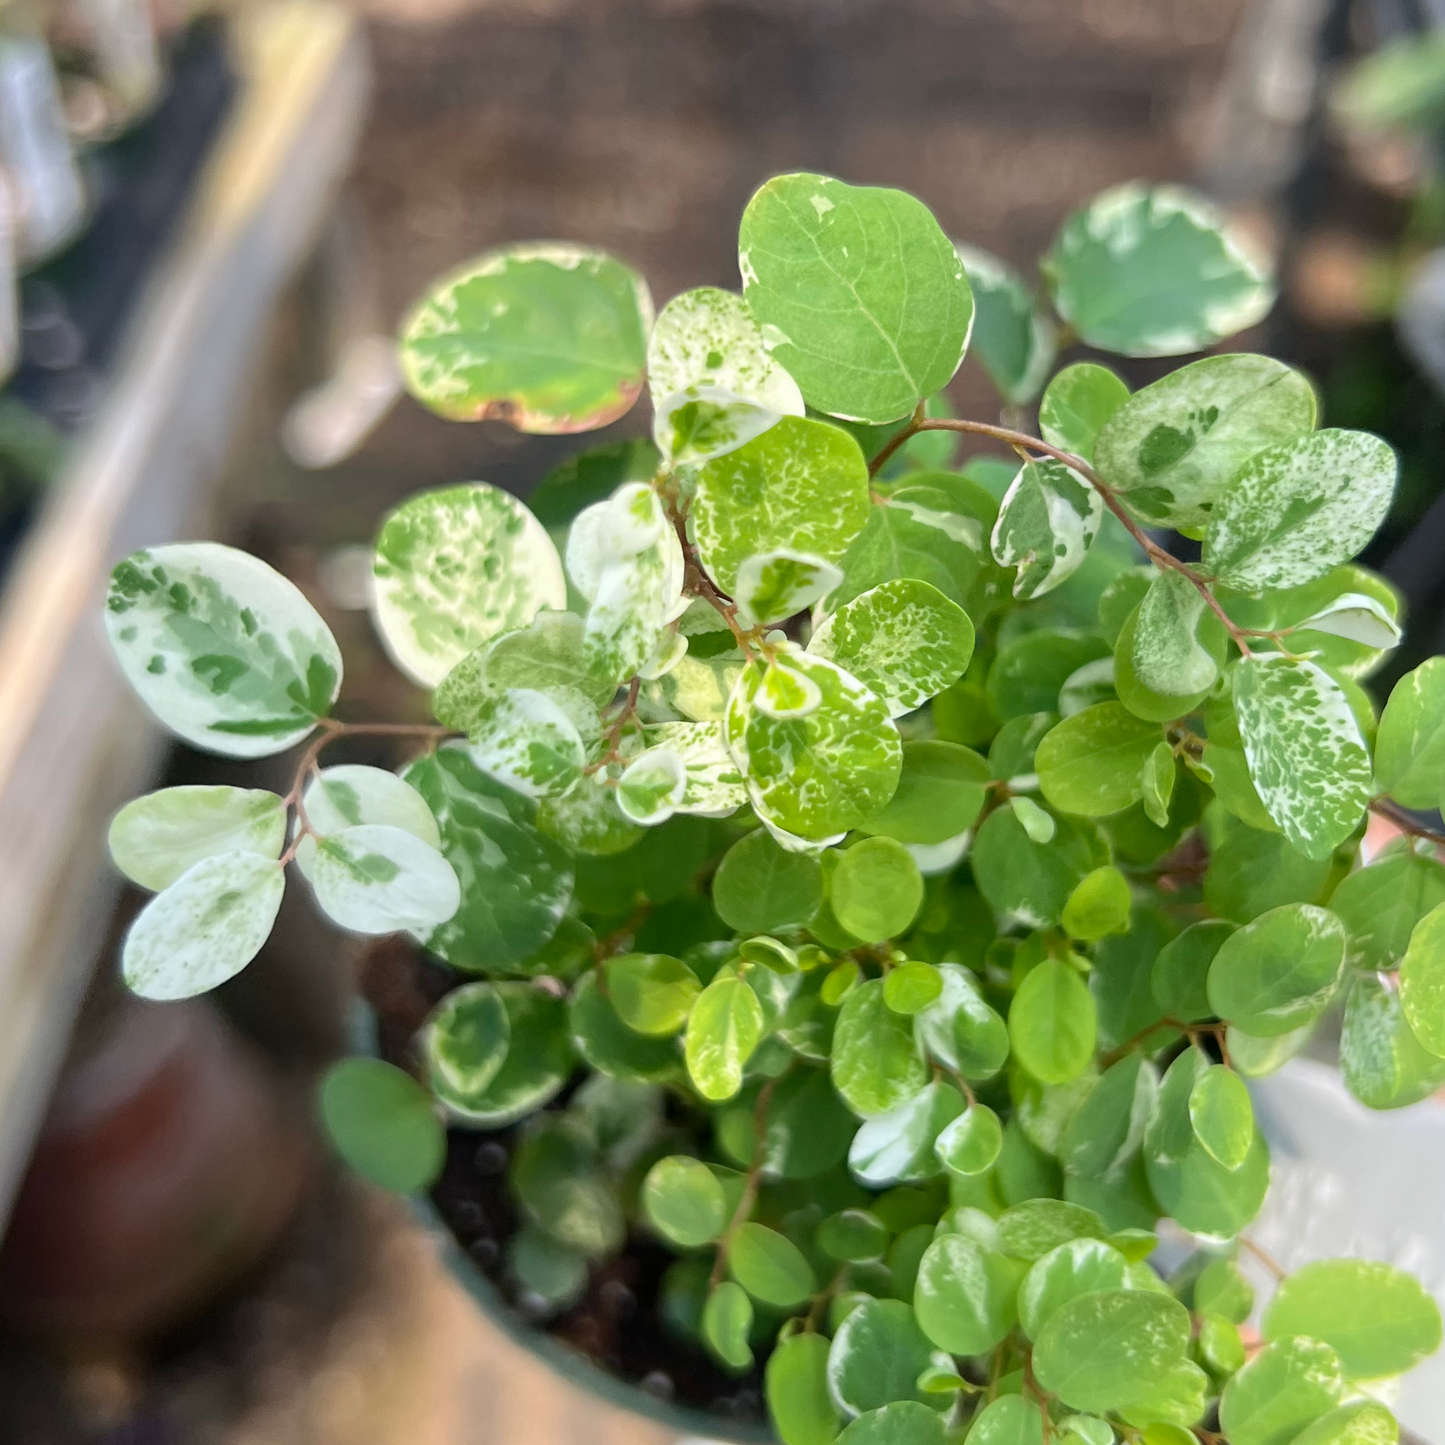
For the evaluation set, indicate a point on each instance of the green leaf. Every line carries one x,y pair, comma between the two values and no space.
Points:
1177,1396
1088,1430
379,879
808,1129
1013,339
1026,881
551,1276
1363,1423
557,1180
546,336
940,794
876,889
1285,1387
1155,272
821,773
760,887
1030,1229
1278,972
1104,1133
859,293
770,1266
1028,673
802,486
1157,781
903,640
611,1047
1306,755
877,1356
773,586
590,476
1378,1319
1046,524
897,1147
460,1042
204,928
1051,1023
965,1295
223,649
651,787
796,1385
1294,511
971,1144
457,566
854,1235
961,1030
515,881
1222,1290
1202,1195
708,337
1092,763
1101,1351
1037,823
651,992
1009,1420
1076,404
1398,85
1179,977
1410,745
930,527
1384,1065
1250,872
1207,637
1080,1267
1167,655
911,987
727,1320
382,1123
1098,906
1222,1116
876,1066
1173,447
725,1026
153,840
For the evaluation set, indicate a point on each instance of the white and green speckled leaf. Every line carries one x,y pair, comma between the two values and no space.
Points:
376,878
903,640
1167,656
351,794
699,688
1307,757
1357,618
221,648
1076,404
637,596
1155,272
786,691
708,337
802,485
1172,448
773,586
698,423
528,741
859,294
455,567
818,775
714,787
547,336
1012,337
155,839
652,786
204,928
1047,522
1295,511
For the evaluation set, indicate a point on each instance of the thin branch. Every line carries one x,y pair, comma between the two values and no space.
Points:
1267,1260
750,1185
1388,808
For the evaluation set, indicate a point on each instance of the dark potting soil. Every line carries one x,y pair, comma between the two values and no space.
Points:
617,1323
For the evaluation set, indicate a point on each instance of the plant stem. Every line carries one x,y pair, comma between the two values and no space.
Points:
1021,441
750,1184
1388,808
696,582
1267,1260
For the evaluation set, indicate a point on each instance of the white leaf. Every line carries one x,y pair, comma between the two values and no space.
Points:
205,928
714,786
773,586
155,839
526,740
379,879
652,786
1357,617
1047,522
670,650
351,794
222,648
698,423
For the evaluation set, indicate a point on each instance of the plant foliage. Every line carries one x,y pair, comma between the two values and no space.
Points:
945,849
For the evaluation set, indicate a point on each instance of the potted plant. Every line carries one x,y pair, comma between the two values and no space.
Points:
852,893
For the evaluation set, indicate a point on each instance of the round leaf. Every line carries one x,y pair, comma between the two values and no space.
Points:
1383,1063
1009,1420
468,1048
875,1065
1380,906
610,1046
204,928
1363,1423
454,567
1378,1319
911,987
1052,1023
971,1143
651,992
760,887
346,796
1076,404
1047,522
1099,905
897,1147
1285,1387
1410,745
964,1297
383,1124
547,336
960,1029
727,1320
876,889
940,794
380,879
859,293
725,1026
877,1356
1179,977
155,839
684,1201
1222,1116
770,1266
557,1181
904,1422
1279,972
221,648
1080,1267
796,1385
1092,763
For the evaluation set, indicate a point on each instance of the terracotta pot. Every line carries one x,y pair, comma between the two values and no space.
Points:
169,1162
